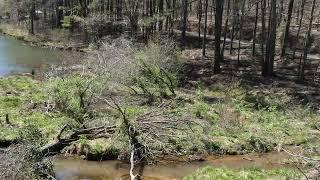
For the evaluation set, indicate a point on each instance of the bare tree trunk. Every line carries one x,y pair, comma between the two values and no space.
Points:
205,29
32,16
271,43
307,42
226,28
286,33
200,19
173,15
263,32
185,19
280,14
234,22
240,30
255,30
299,28
218,26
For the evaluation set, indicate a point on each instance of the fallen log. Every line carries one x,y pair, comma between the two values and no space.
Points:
59,144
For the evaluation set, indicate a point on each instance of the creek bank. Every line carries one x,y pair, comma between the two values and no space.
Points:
38,41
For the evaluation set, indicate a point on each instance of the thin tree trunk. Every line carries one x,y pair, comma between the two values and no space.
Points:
299,28
240,30
199,22
226,28
286,33
185,19
205,29
255,30
307,42
271,43
32,16
263,33
218,23
234,22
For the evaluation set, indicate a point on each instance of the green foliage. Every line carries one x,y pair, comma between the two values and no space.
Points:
112,152
209,173
31,133
203,110
159,68
101,149
70,21
97,149
83,140
97,26
74,96
151,20
251,121
23,99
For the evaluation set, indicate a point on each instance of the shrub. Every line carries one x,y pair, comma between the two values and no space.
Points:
159,68
152,70
70,22
74,96
98,26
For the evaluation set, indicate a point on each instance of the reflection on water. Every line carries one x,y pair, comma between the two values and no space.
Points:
17,57
72,168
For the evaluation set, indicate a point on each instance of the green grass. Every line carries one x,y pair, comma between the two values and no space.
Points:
22,98
244,121
252,120
209,173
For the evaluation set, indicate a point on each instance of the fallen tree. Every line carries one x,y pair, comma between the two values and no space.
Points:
91,133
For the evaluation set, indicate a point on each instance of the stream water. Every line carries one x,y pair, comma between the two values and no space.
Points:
17,57
71,168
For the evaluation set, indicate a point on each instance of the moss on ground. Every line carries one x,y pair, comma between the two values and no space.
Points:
240,174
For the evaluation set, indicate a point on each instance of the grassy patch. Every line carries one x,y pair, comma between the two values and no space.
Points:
23,100
256,120
224,174
237,121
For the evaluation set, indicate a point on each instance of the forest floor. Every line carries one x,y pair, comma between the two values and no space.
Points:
249,73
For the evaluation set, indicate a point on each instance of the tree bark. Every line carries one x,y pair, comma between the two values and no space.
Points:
226,28
204,41
218,25
271,42
286,33
307,42
185,20
255,30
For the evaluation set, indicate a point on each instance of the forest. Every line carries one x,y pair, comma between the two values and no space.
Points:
159,89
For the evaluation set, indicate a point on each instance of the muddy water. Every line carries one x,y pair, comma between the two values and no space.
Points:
77,169
17,57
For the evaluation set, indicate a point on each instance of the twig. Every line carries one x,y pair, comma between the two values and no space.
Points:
62,130
304,174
